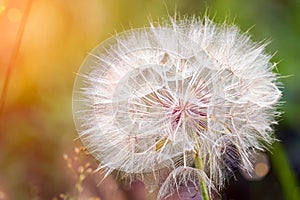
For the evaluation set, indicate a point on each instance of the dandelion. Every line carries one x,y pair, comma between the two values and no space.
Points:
190,96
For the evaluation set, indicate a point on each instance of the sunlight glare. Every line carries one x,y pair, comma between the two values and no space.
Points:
2,9
14,15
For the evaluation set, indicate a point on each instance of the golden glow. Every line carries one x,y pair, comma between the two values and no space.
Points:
2,9
14,15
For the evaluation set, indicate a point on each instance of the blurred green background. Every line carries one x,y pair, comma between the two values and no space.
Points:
36,125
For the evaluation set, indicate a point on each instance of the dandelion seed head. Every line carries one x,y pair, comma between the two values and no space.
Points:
145,98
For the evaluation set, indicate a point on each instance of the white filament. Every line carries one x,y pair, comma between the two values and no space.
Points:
142,97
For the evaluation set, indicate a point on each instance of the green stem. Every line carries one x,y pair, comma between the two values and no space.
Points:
285,174
199,165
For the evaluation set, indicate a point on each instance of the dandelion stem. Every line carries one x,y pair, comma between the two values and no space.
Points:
199,165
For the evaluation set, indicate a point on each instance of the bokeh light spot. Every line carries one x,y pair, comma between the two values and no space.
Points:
2,9
2,195
14,15
261,169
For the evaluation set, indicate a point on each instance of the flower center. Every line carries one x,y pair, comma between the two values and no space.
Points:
189,114
176,115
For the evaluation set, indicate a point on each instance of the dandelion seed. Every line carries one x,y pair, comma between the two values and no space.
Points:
190,96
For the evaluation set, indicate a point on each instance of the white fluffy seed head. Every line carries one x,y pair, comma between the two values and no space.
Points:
145,98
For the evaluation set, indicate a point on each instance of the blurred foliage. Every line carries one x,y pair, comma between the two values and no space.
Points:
36,126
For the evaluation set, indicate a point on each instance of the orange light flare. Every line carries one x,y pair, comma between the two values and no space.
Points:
11,14
2,8
12,26
14,15
51,31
